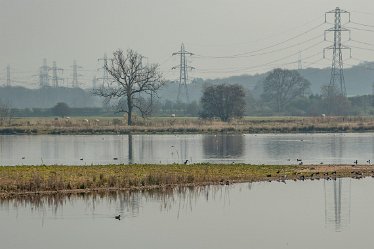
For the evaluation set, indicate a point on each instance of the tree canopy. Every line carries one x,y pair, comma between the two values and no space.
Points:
61,109
223,101
282,86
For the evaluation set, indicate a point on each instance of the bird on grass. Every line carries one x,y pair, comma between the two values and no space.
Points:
185,162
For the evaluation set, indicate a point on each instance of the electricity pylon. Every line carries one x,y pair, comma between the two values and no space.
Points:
8,80
55,78
44,74
105,76
299,62
183,72
337,76
75,82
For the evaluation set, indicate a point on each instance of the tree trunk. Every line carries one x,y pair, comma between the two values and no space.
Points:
129,113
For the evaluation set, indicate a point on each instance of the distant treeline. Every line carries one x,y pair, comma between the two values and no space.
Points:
47,97
49,112
305,106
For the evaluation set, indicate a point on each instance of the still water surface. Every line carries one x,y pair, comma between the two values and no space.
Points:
310,214
249,148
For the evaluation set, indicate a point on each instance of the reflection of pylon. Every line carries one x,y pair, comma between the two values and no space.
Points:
337,76
183,72
337,202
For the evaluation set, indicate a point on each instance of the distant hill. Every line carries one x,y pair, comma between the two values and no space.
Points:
358,80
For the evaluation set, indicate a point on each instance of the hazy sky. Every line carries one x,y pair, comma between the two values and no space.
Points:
64,30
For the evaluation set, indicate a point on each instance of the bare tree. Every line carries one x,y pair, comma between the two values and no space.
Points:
282,86
133,84
5,114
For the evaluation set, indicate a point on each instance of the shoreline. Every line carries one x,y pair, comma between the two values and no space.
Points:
184,125
22,181
178,131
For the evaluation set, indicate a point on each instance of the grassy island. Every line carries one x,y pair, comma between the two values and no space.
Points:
24,180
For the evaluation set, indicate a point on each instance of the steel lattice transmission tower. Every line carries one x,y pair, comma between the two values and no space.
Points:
75,82
55,71
105,76
183,71
337,76
44,74
8,80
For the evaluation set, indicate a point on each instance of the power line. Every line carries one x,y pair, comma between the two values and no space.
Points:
264,53
364,43
362,24
267,37
280,59
367,49
268,47
360,29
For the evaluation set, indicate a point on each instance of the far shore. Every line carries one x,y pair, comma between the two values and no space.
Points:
45,180
185,125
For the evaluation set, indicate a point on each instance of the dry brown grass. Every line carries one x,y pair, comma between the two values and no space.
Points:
188,125
31,179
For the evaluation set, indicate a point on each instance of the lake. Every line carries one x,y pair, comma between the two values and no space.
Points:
342,148
310,214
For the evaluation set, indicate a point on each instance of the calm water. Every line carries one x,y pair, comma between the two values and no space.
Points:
310,214
254,149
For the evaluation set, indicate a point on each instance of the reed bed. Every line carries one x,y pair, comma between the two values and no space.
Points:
36,179
110,125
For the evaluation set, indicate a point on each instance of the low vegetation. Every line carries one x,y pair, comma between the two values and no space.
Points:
15,180
118,125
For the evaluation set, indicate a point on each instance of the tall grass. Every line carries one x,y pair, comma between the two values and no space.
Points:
188,125
16,179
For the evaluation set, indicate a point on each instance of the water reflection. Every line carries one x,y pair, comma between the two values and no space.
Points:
220,148
223,146
127,203
337,203
235,216
130,153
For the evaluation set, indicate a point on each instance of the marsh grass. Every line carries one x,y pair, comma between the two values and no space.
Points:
78,125
24,179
